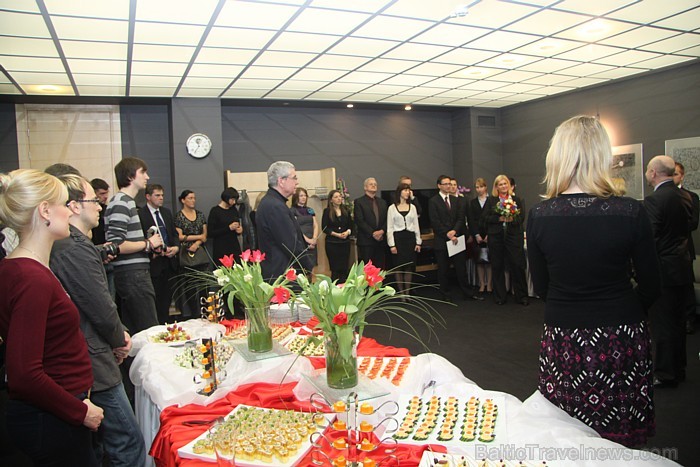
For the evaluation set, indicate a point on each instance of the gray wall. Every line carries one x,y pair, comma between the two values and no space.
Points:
648,110
146,134
384,144
9,155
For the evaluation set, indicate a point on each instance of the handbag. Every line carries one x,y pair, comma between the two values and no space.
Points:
483,255
192,260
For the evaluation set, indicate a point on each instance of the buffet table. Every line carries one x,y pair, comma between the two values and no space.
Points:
171,413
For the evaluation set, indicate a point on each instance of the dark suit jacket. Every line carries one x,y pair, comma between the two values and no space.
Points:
489,217
279,236
474,213
695,218
160,264
443,220
366,222
670,212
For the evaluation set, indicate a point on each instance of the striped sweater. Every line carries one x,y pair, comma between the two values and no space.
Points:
122,223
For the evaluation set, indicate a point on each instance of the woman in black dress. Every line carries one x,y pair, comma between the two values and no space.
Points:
595,357
403,237
191,226
477,229
306,217
224,226
506,241
337,224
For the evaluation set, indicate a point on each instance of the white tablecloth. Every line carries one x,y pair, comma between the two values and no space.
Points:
534,425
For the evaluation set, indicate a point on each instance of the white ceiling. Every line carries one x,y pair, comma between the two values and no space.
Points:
380,51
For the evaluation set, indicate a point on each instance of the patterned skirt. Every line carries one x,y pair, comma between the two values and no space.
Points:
602,377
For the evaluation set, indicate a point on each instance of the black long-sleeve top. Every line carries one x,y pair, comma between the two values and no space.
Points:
580,248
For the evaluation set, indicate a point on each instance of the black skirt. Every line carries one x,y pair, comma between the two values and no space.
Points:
405,258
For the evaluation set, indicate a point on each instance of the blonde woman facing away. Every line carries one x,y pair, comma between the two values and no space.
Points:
595,357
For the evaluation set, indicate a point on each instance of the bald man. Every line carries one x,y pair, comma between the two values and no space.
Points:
670,211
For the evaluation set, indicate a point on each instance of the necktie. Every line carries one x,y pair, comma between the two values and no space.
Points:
447,202
375,209
161,227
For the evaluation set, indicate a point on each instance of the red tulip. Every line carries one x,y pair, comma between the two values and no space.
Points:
340,319
245,256
281,295
227,261
291,275
258,257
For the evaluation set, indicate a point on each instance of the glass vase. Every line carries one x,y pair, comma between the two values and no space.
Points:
341,364
257,319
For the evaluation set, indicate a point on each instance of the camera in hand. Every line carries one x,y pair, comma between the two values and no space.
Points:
108,249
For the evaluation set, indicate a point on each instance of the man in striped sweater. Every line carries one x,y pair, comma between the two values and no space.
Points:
132,277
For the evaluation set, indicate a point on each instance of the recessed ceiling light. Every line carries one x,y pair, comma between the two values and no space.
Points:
548,46
408,107
48,88
474,72
593,28
509,59
349,106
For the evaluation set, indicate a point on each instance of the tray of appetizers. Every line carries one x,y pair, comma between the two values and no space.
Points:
436,459
169,334
450,420
265,437
391,369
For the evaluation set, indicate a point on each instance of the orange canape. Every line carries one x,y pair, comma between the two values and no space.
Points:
366,408
339,407
366,427
340,443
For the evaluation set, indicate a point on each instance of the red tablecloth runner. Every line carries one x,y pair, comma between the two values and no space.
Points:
173,434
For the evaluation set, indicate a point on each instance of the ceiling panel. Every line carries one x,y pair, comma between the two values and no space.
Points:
370,50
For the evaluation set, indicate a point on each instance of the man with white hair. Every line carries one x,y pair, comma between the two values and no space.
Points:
370,219
670,211
279,235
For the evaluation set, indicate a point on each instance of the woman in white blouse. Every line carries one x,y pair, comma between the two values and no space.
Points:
403,237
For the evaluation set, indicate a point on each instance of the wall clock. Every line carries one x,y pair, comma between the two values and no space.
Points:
198,145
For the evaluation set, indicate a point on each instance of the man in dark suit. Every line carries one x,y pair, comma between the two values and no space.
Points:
447,217
370,219
279,234
670,210
690,305
164,263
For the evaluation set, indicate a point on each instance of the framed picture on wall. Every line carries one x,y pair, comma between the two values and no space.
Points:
687,152
627,166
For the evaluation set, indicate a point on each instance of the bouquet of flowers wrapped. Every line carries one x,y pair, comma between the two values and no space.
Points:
507,208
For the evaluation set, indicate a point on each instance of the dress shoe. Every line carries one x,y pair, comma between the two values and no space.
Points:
447,298
476,297
665,383
525,302
500,302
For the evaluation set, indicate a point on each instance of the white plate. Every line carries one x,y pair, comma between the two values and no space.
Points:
186,452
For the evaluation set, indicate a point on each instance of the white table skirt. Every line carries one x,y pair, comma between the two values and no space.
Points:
535,424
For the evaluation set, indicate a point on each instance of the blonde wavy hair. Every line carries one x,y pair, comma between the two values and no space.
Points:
21,193
494,191
580,153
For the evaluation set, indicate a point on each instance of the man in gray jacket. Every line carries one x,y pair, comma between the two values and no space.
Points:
78,265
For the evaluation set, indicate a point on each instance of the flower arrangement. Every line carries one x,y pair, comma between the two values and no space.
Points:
463,190
342,311
508,209
343,189
243,280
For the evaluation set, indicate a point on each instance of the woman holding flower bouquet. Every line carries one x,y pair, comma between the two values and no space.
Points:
504,215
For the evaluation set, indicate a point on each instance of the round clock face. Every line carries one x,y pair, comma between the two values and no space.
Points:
198,145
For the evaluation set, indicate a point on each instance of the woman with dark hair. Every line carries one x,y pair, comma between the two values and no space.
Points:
191,226
306,217
504,215
595,356
49,414
403,237
337,225
224,226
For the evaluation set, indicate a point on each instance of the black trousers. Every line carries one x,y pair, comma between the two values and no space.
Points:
460,263
338,254
667,320
375,252
162,286
506,250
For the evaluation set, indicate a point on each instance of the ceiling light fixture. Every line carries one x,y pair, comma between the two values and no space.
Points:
509,59
408,107
48,88
548,46
474,72
593,28
462,10
349,106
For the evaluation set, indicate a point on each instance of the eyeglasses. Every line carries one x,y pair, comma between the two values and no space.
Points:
293,178
94,200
